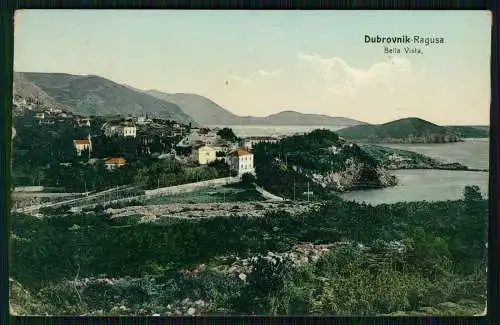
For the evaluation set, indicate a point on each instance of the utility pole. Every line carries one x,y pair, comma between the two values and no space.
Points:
294,188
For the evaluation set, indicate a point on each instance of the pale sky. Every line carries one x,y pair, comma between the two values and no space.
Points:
307,61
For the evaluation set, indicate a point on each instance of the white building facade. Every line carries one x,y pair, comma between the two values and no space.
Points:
82,145
249,142
241,161
124,131
204,155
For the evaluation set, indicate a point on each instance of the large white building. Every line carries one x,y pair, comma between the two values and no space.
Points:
204,155
241,161
249,142
82,145
121,130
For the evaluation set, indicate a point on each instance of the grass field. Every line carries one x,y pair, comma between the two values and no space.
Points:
227,193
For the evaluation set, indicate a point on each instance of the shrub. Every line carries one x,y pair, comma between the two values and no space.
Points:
259,206
248,179
99,208
268,276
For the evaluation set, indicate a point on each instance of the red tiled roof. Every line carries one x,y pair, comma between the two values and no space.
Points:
116,161
82,142
240,152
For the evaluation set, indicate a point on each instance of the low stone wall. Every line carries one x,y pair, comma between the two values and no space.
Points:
20,195
28,189
191,187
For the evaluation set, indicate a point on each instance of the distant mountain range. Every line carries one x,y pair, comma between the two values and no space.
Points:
411,130
93,96
201,109
207,112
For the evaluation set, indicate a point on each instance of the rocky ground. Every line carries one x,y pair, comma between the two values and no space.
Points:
152,213
232,266
242,267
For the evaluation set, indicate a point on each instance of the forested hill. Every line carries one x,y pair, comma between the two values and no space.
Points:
407,130
465,131
319,161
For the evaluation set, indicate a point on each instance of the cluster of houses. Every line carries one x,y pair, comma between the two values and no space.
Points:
45,114
207,147
82,145
110,129
200,146
20,104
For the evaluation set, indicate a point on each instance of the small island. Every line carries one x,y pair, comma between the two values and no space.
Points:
411,130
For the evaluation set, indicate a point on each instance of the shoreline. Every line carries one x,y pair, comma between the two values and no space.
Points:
381,143
445,168
375,187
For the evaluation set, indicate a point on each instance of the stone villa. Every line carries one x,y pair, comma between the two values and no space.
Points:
241,161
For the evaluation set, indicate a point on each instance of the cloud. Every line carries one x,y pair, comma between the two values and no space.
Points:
254,76
341,78
243,80
268,73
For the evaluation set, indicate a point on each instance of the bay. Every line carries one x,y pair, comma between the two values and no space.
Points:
414,185
434,185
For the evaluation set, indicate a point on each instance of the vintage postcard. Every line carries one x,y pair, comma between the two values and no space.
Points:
170,163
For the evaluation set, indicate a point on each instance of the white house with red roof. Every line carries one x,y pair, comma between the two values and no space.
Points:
82,144
241,161
115,162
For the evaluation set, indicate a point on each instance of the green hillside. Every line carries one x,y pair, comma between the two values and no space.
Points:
91,95
320,162
471,131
